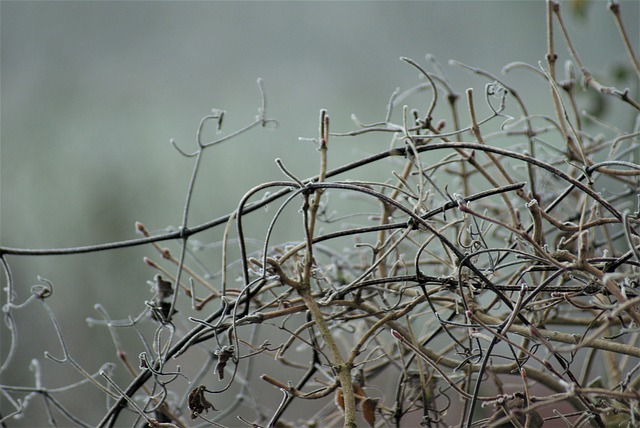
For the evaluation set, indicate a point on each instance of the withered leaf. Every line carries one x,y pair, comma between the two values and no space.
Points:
358,392
163,287
198,403
161,311
339,399
223,355
369,411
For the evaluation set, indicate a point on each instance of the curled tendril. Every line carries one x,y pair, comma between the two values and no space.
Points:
42,291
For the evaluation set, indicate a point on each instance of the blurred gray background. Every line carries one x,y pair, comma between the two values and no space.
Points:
91,93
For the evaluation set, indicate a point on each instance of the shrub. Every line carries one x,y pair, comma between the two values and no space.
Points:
494,284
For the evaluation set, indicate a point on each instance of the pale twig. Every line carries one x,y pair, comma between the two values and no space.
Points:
614,7
587,76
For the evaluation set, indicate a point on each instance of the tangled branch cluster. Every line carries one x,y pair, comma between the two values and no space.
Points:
510,301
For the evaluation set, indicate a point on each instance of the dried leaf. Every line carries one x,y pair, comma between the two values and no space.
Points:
163,288
161,311
198,403
359,393
223,355
339,399
369,411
